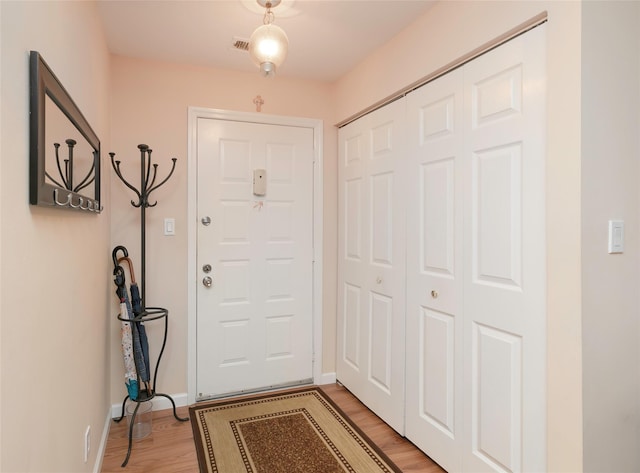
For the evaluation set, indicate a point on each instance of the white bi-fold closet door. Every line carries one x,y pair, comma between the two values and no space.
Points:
474,236
371,275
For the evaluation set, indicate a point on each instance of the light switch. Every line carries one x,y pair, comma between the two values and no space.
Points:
169,226
616,236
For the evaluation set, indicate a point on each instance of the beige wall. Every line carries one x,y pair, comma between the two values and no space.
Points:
610,153
446,32
56,277
150,104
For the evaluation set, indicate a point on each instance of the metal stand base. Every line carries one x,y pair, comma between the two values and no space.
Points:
135,412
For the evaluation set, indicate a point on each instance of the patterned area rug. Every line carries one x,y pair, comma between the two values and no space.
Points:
300,431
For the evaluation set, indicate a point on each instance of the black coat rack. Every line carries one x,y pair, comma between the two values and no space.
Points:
148,175
147,181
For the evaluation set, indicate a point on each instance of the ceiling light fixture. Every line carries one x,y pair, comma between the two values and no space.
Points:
268,44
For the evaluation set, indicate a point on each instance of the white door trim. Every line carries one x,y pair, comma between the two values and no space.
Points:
192,222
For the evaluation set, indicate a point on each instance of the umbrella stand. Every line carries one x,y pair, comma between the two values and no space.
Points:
145,314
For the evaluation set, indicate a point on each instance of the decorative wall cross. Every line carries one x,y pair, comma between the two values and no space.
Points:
258,101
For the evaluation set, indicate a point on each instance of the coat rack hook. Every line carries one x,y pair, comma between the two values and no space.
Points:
148,174
62,204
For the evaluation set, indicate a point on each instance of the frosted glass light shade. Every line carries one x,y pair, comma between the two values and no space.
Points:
268,46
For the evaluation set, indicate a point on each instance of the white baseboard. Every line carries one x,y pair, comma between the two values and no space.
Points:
97,467
159,403
326,378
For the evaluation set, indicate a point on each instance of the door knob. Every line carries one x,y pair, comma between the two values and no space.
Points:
434,294
207,281
206,221
206,268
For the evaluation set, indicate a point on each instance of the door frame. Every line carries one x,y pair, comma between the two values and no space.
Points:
192,222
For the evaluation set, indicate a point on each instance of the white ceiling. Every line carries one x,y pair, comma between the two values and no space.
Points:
326,37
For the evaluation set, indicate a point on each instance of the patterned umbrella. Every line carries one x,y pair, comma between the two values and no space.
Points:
131,374
140,340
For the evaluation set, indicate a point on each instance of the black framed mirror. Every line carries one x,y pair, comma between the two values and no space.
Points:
65,151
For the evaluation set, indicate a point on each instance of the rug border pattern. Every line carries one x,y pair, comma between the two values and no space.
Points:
209,445
375,453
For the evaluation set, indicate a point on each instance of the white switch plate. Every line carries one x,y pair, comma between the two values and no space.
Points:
616,236
170,226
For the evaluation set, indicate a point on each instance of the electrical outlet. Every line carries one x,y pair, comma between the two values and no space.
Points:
87,443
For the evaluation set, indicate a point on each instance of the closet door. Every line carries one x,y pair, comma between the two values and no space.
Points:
434,270
505,252
371,261
476,263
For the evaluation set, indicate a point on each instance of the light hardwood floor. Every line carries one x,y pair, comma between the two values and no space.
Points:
170,449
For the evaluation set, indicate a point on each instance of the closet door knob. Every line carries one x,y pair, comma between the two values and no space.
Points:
206,221
378,280
207,281
434,294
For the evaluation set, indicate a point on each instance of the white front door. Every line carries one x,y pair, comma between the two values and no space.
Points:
255,243
371,261
476,365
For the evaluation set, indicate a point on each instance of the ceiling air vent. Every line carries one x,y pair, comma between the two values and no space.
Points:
241,44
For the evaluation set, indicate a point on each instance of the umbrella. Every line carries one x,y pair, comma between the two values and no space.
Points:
140,340
136,305
130,375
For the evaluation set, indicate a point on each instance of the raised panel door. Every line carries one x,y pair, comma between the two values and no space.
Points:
254,324
371,261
